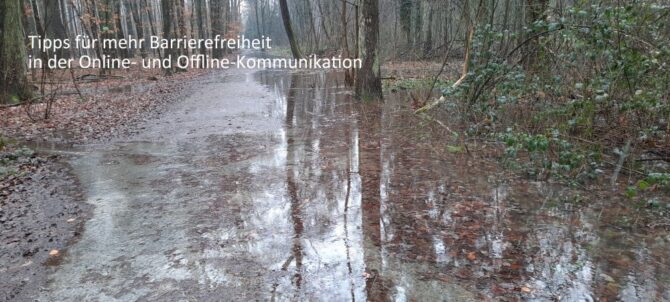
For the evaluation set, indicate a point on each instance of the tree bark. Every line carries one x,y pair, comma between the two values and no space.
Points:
405,13
368,81
286,18
169,29
13,80
218,24
258,20
348,74
53,24
536,11
202,18
428,43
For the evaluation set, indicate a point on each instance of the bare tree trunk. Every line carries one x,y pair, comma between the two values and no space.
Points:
181,21
348,74
428,44
53,24
405,12
218,24
312,26
368,81
418,24
136,11
323,22
169,30
258,21
263,16
286,18
13,80
202,18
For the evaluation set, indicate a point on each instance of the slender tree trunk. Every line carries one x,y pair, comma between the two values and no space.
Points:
406,19
368,81
418,24
348,74
202,18
428,44
136,11
263,29
13,80
323,22
312,26
181,21
119,28
258,20
286,18
218,23
169,29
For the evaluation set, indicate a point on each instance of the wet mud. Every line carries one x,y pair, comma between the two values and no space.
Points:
44,212
281,186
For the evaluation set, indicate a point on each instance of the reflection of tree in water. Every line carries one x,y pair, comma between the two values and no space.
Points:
370,172
291,171
314,179
408,225
428,224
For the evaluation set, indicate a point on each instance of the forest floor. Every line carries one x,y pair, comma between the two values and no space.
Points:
42,208
263,185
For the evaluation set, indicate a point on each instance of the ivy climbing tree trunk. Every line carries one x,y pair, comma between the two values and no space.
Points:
13,80
368,81
536,11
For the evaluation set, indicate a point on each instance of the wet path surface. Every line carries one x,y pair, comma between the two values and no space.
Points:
279,186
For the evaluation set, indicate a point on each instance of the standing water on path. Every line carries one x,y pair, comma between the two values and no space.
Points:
281,186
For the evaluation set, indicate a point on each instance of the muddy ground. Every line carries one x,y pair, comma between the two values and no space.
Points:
43,212
42,206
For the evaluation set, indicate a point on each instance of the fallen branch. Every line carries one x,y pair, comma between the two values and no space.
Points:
96,78
464,73
622,159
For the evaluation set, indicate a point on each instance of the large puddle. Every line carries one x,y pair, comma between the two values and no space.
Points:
280,186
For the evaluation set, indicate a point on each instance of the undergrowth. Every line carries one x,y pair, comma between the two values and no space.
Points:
588,101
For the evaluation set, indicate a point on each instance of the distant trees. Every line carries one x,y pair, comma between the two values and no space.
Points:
100,19
122,18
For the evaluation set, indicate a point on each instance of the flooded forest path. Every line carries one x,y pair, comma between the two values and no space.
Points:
272,185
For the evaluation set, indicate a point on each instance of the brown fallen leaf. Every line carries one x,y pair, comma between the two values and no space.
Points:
525,289
472,256
54,253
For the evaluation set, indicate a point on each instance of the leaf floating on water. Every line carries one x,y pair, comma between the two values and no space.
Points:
54,253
